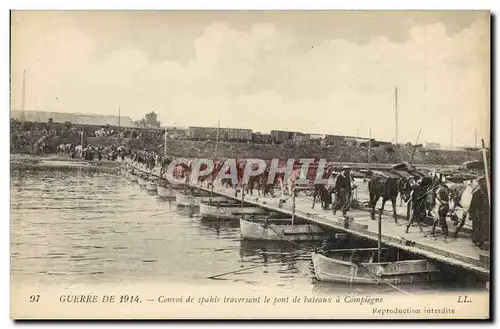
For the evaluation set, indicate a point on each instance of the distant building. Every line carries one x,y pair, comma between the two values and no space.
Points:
317,136
435,146
300,137
73,118
177,132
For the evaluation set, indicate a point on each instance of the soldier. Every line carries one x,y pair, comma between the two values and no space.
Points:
480,214
343,187
442,196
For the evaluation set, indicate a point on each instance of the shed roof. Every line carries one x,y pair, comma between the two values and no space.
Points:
76,118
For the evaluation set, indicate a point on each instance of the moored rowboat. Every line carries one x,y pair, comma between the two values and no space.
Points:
194,200
151,186
141,181
132,176
280,229
166,192
227,211
343,270
185,200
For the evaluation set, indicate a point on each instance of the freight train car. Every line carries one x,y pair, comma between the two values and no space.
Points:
239,135
222,134
376,143
206,133
300,137
280,136
333,140
260,138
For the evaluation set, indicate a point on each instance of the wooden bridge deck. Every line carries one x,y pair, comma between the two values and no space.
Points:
459,252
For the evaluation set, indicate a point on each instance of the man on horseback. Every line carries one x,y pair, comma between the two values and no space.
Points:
343,187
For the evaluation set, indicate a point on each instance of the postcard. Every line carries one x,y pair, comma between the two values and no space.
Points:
250,164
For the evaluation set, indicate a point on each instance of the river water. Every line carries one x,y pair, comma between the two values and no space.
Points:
79,227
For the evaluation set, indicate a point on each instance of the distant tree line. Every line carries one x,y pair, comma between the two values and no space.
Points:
150,120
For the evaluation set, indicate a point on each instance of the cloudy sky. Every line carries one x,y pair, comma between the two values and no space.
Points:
318,72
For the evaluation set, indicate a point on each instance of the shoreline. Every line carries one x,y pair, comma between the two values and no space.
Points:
51,157
57,162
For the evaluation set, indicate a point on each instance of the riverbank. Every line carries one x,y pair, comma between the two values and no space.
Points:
207,149
382,154
56,162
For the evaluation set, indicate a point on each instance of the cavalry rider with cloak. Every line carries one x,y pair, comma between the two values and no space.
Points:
343,188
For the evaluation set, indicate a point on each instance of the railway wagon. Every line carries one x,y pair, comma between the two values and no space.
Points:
280,136
261,138
239,135
204,133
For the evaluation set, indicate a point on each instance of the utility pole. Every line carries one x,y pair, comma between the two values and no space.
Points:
165,142
451,132
23,99
396,115
415,146
475,138
370,145
486,171
217,139
119,125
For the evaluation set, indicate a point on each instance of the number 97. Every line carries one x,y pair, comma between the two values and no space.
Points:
34,298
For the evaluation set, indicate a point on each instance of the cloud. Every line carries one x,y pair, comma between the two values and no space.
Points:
260,78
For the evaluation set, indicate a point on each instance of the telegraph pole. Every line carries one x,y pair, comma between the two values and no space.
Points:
119,125
217,138
396,114
23,99
370,145
165,142
451,132
475,138
486,170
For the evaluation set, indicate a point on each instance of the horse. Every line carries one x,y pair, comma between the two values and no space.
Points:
405,187
240,172
68,148
79,150
252,182
324,193
263,185
226,182
295,174
418,203
386,187
60,149
430,198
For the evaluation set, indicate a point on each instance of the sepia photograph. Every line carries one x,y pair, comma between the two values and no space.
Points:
250,164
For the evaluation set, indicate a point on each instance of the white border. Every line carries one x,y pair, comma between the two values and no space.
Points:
181,4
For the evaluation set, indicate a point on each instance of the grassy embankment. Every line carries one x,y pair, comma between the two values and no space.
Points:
184,148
